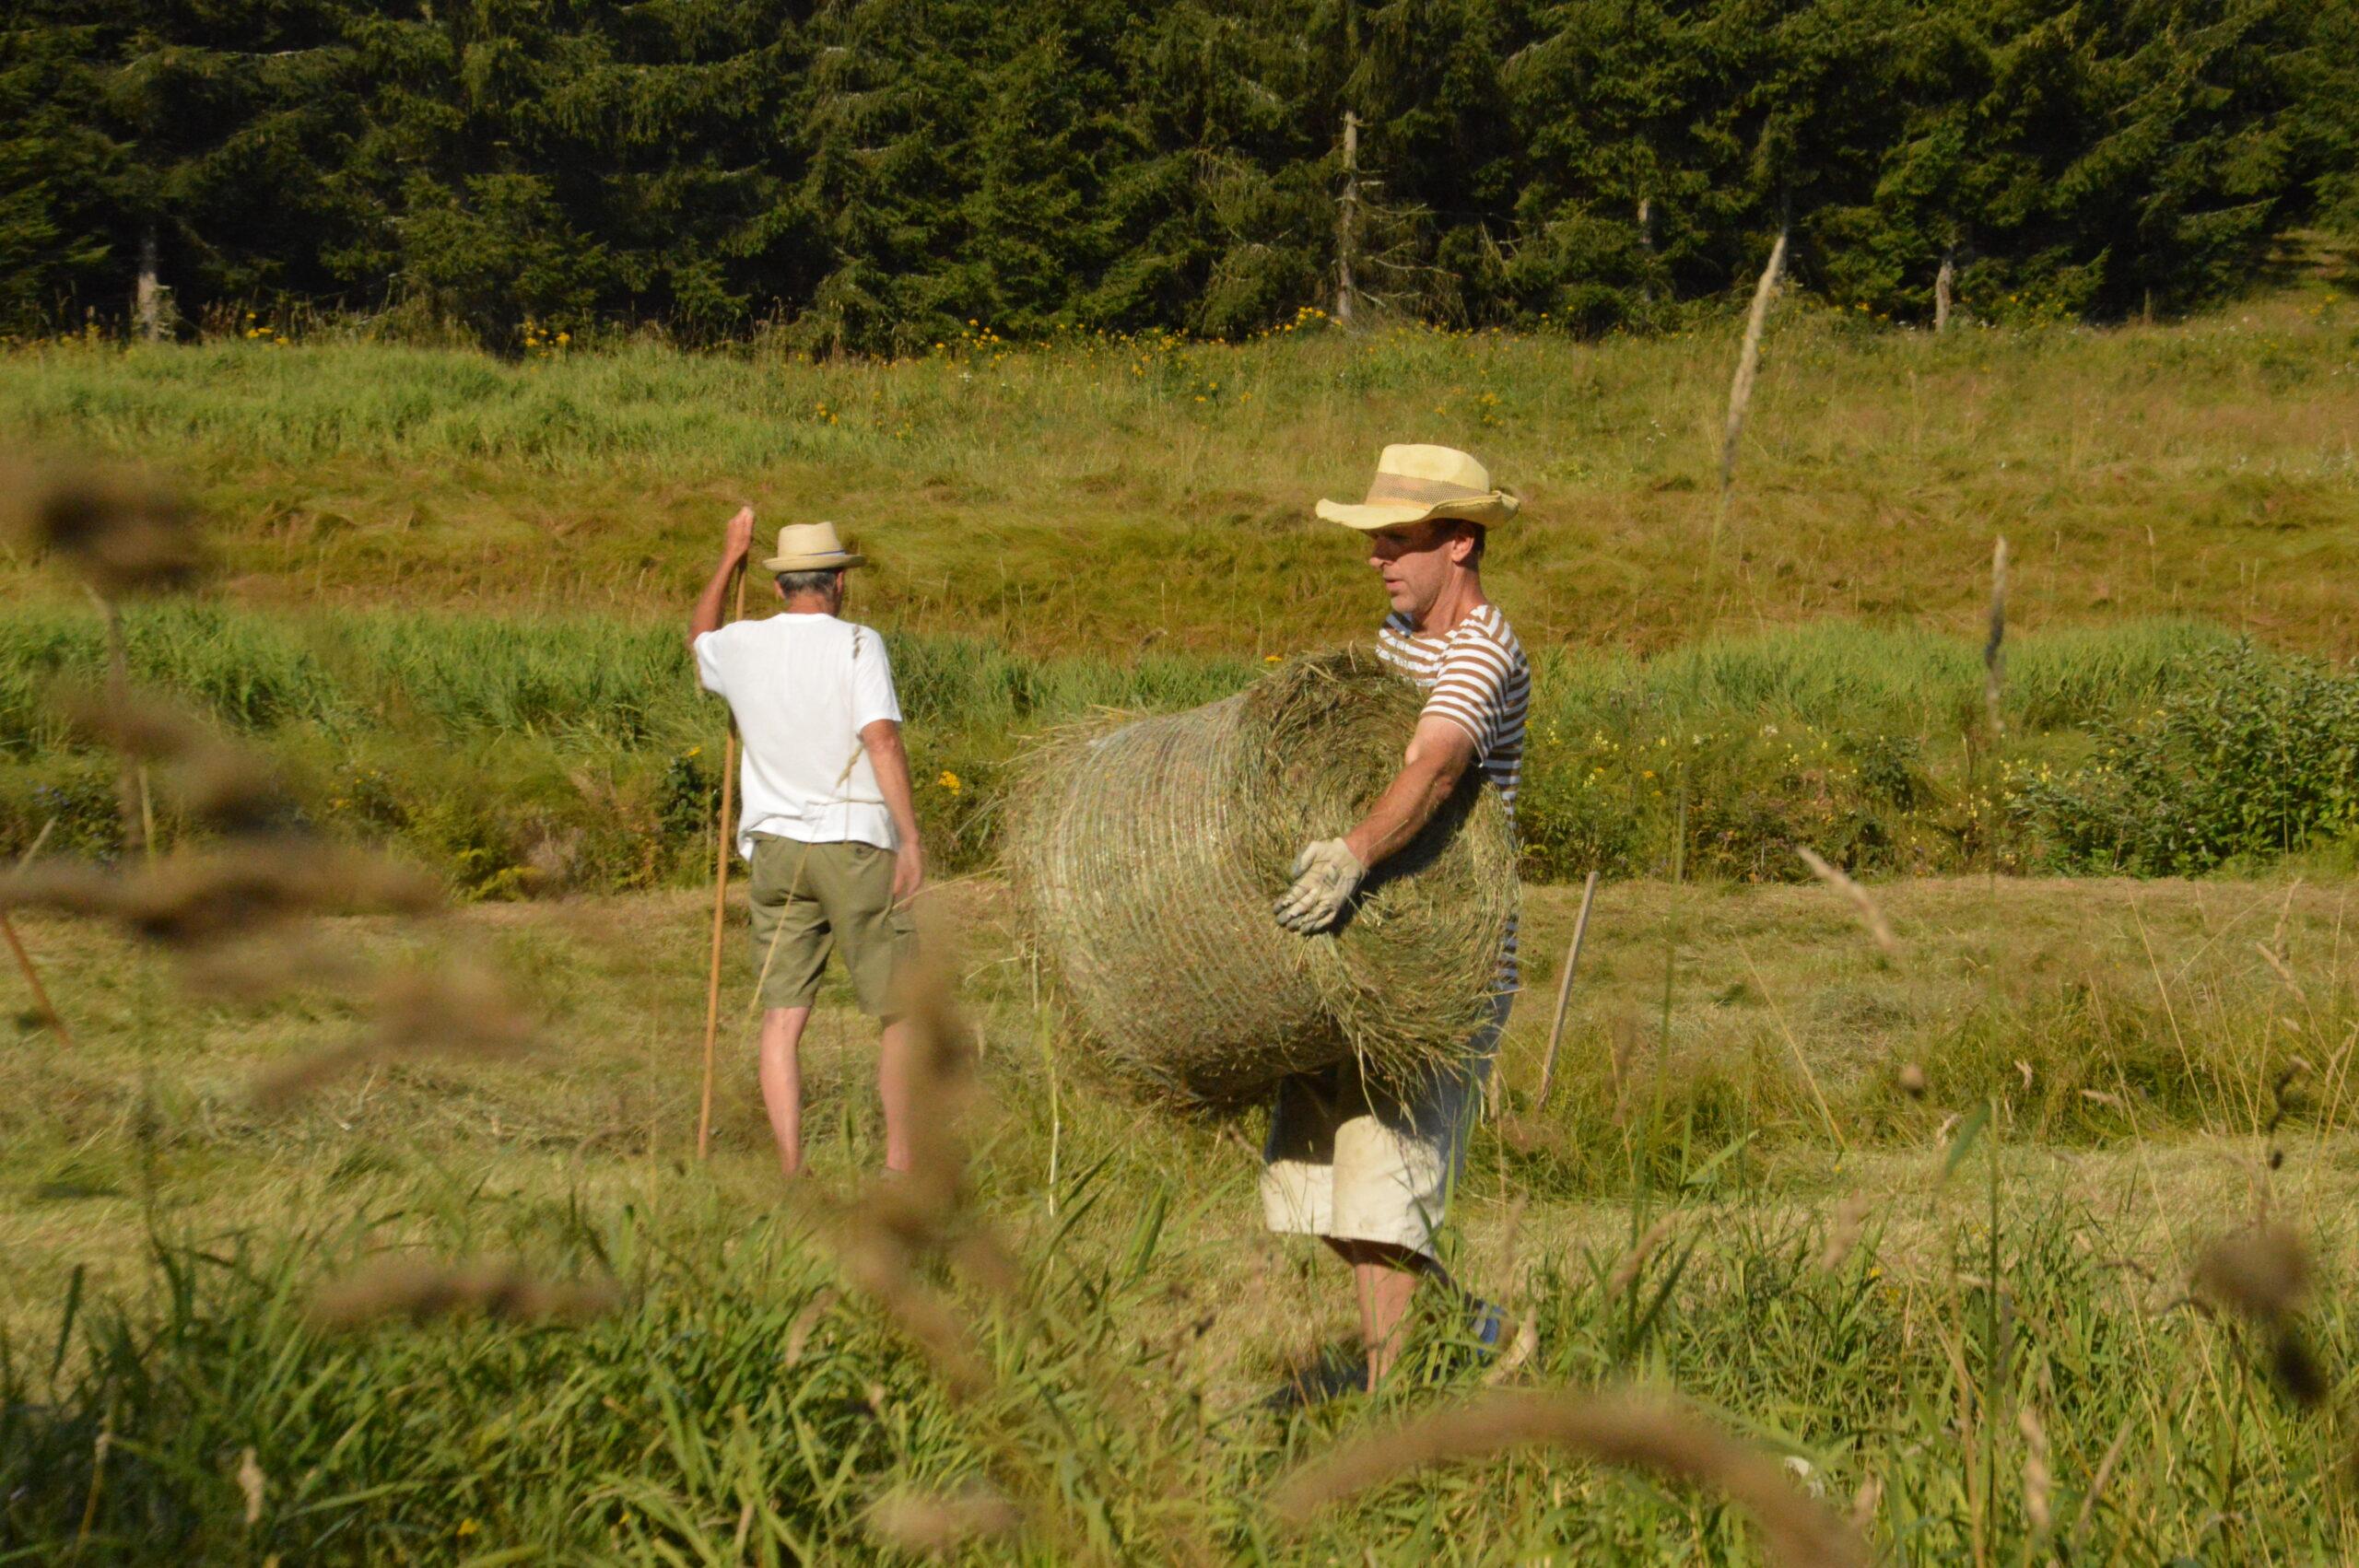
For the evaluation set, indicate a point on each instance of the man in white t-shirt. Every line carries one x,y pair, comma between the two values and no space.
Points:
826,820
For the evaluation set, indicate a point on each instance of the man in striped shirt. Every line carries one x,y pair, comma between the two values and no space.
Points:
1366,1166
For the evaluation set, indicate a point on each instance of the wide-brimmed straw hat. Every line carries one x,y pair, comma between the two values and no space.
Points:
811,547
1415,484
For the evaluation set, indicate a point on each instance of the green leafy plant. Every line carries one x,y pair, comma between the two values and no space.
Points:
2256,757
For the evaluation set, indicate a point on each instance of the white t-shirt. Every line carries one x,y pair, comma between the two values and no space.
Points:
803,688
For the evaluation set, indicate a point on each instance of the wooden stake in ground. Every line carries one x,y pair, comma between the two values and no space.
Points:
1564,994
720,897
42,1003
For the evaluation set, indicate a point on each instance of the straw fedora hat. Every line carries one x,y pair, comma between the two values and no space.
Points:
811,547
1415,484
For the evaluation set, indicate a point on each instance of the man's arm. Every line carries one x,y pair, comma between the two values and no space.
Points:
1328,873
1438,754
737,540
891,761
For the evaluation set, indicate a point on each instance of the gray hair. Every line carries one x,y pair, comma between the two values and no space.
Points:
822,581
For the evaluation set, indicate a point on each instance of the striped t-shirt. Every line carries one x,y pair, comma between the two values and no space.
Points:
1475,676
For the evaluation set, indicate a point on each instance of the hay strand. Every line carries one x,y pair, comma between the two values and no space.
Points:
455,1008
1621,1429
1994,647
1748,363
418,1291
936,1524
1870,914
2262,1271
195,899
123,536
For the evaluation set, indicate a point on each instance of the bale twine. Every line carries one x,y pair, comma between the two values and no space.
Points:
1146,859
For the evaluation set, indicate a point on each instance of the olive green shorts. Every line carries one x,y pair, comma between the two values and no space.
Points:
808,899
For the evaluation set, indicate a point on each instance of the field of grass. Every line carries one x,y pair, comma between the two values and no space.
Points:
1924,1226
524,756
2137,1042
1108,496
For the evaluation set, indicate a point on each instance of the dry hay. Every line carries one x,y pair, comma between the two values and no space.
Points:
1146,859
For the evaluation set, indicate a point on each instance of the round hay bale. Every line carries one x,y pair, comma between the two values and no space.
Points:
1146,860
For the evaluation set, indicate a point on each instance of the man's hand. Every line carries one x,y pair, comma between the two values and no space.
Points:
1326,874
737,539
909,871
890,760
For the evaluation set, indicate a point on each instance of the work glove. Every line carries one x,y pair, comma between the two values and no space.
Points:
1325,876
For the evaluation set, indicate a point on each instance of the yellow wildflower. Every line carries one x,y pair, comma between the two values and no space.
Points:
949,781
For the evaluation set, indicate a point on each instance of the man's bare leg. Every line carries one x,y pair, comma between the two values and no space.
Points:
1385,1277
782,1075
895,1072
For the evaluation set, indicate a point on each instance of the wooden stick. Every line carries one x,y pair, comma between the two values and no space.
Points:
25,960
1564,994
719,895
32,978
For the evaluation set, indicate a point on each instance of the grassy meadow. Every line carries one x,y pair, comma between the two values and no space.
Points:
1934,1226
1108,496
1669,1220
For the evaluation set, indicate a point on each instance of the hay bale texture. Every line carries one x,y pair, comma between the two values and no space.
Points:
1145,859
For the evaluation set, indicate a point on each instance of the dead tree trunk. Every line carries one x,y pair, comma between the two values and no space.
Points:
1347,220
147,303
1945,287
1646,243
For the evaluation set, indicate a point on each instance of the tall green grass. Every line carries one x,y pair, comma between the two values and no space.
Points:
1845,675
580,681
578,751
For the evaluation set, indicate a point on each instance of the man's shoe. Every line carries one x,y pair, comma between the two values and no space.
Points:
1486,1326
1331,1377
1476,1340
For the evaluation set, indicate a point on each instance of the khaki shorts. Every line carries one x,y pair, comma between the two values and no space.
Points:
808,899
1357,1161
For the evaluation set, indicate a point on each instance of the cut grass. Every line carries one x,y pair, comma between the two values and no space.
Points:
2056,975
1159,1309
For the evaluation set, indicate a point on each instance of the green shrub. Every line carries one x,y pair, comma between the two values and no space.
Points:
528,754
74,797
2251,755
